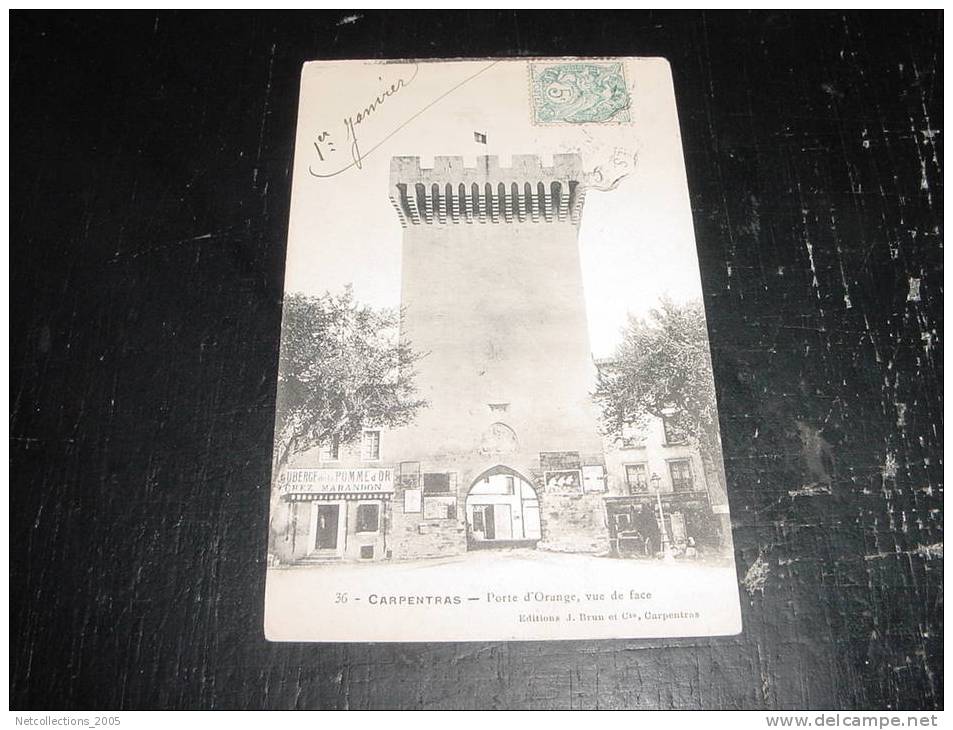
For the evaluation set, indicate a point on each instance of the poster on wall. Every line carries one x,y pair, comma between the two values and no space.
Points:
474,362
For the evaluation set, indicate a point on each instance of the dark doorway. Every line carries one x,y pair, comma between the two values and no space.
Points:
326,535
484,521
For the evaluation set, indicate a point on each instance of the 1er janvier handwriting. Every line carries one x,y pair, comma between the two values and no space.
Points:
324,144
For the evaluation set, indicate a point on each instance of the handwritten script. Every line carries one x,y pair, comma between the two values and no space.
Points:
325,146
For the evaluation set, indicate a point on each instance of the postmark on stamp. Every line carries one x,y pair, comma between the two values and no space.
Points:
579,93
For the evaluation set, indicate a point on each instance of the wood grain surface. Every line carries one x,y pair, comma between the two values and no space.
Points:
150,173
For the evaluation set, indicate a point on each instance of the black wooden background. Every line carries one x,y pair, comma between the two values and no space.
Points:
150,161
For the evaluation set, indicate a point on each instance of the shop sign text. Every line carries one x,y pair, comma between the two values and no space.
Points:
337,481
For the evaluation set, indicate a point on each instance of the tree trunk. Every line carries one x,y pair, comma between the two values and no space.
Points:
284,455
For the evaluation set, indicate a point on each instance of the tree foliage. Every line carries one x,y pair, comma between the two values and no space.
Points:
663,369
342,367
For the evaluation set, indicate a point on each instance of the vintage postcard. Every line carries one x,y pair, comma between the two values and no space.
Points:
496,417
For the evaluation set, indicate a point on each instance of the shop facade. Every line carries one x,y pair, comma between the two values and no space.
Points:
334,514
629,501
662,494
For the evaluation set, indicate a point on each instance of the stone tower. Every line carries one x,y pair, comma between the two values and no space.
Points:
492,295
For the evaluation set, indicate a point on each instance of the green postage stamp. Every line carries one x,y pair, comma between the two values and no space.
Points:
579,93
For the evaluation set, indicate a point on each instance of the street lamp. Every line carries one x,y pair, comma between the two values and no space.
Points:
656,485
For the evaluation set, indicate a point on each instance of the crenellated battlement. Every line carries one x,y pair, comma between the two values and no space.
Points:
450,193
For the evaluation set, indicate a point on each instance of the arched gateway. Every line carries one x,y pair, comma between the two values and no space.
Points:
502,510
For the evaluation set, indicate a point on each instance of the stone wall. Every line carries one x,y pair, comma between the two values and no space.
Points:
573,522
412,535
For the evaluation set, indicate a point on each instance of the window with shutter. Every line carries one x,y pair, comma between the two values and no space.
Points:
636,476
371,446
681,472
